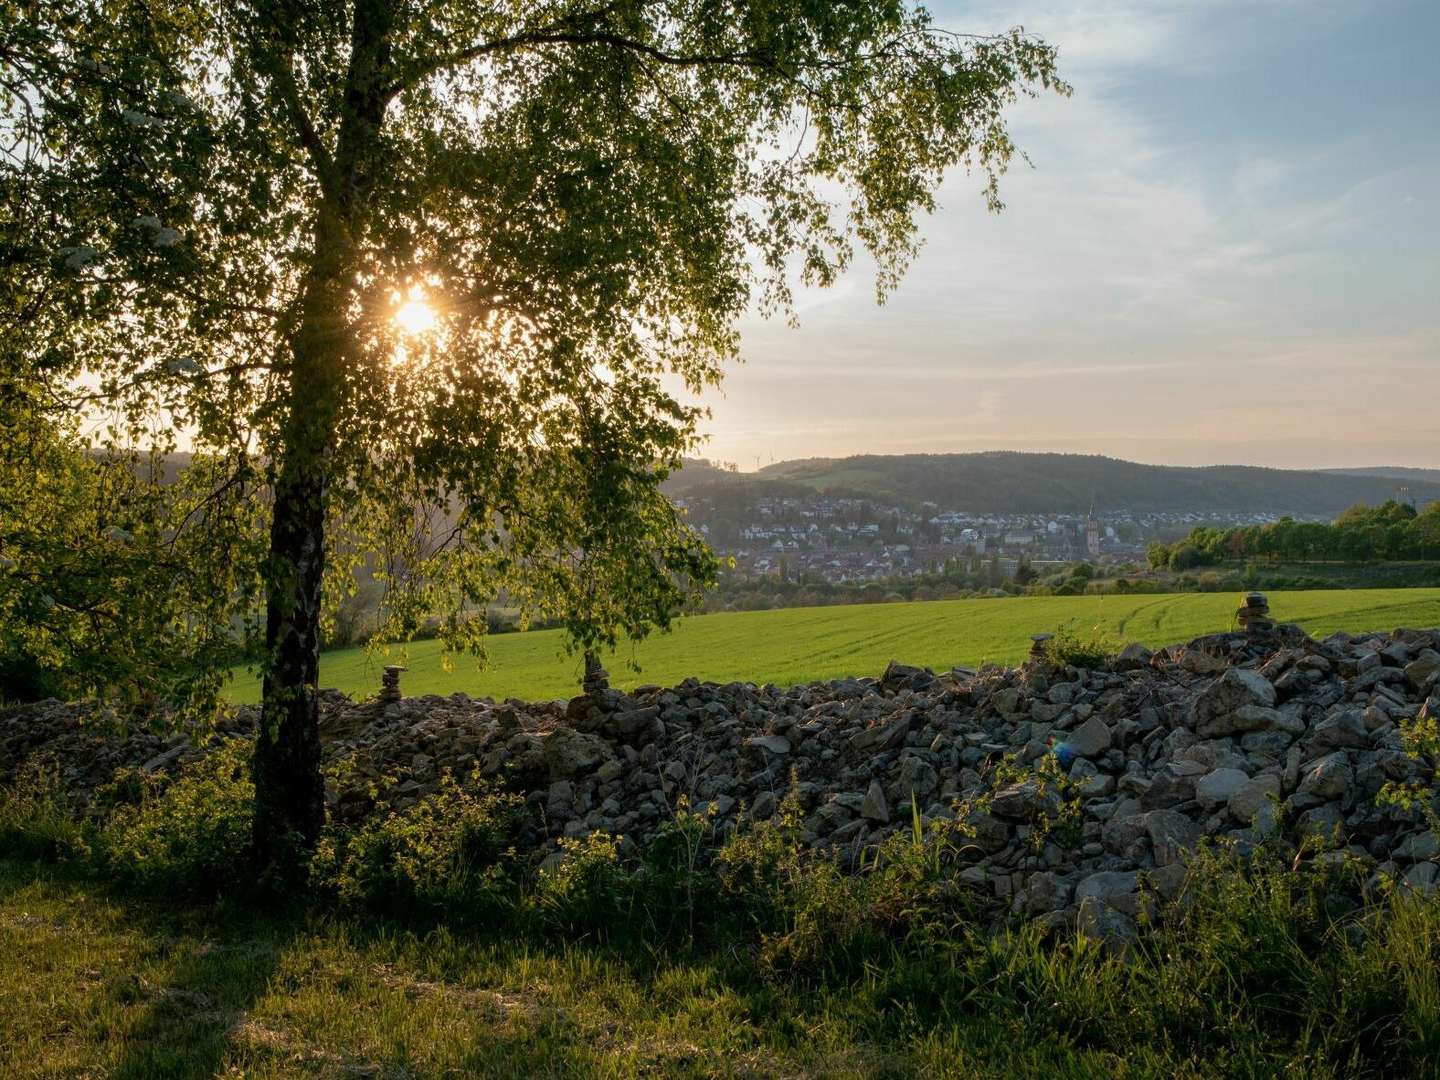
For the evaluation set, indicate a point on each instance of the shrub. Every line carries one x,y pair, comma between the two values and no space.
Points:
676,883
453,852
815,922
36,821
190,836
1069,649
584,889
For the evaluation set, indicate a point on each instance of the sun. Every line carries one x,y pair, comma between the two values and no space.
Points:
415,316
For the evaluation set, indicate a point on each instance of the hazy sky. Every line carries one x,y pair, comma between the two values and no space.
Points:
1228,250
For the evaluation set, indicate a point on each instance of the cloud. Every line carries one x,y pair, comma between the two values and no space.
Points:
1170,289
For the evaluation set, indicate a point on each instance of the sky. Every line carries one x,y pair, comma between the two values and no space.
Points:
1226,249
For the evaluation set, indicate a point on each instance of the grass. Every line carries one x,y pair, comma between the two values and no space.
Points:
102,985
99,983
803,644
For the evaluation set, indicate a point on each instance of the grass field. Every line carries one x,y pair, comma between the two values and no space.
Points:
802,644
98,983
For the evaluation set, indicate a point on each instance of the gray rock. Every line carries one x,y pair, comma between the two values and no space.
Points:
774,744
569,752
1419,847
1090,739
1024,799
1133,657
1046,891
874,808
1247,800
1326,822
1172,834
1214,711
629,723
1218,786
1111,887
1342,728
560,799
1421,878
1328,778
1422,669
1113,930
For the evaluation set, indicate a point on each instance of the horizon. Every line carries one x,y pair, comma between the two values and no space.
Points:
1215,257
741,469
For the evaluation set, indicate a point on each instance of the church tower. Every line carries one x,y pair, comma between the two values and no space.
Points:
1092,531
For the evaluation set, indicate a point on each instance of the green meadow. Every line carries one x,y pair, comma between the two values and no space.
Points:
799,645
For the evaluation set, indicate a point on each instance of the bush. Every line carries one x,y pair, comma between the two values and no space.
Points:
1069,649
36,821
452,853
676,883
190,836
815,922
584,889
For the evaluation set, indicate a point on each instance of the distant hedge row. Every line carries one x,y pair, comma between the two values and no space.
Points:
1392,531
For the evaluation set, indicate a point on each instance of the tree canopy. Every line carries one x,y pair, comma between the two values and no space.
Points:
215,211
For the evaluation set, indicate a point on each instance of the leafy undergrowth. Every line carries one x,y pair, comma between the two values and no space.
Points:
92,983
428,945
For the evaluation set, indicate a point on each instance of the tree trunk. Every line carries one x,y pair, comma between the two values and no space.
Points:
289,787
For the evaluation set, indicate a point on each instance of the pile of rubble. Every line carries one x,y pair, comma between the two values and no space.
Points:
1262,733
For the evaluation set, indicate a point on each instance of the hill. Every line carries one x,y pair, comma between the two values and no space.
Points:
1393,472
1010,482
798,645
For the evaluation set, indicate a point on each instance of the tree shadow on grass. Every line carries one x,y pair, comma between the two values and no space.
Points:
196,986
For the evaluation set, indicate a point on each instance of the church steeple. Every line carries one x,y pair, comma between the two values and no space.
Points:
1092,529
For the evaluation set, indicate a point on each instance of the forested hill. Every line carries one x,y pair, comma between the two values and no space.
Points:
1398,473
1010,482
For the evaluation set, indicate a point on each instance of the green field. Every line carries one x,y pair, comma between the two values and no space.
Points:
801,644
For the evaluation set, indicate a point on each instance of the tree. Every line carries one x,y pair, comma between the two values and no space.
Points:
226,216
1157,555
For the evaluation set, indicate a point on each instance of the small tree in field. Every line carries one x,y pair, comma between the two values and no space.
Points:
450,271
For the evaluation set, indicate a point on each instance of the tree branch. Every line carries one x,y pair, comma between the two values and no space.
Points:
289,90
555,36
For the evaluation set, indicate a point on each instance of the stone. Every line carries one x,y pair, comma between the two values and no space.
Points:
1172,835
874,808
1421,878
988,832
1325,822
1024,799
1114,931
1328,778
1111,886
774,744
1090,739
560,800
1133,657
1423,669
1248,799
1045,892
1168,787
1342,728
1218,786
629,723
1215,710
1419,847
569,752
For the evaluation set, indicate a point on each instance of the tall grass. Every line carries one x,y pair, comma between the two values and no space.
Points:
1267,965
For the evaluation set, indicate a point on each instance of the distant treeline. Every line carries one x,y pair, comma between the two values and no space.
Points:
1392,531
